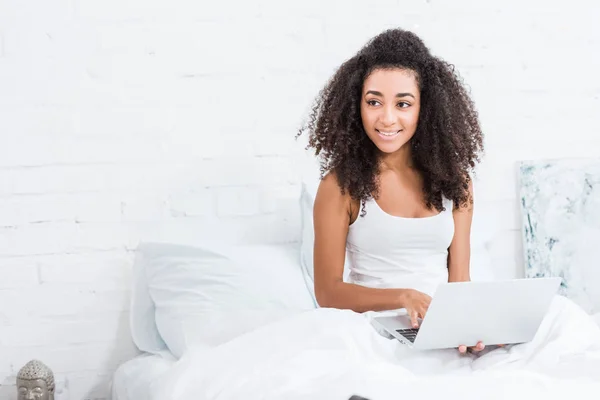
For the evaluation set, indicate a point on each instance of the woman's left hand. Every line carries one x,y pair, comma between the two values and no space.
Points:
478,347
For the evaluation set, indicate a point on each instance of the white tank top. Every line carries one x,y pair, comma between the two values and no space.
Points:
385,251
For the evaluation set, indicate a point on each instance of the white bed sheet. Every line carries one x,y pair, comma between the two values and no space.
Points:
332,354
131,381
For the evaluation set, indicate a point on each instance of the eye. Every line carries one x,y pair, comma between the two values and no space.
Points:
372,102
403,102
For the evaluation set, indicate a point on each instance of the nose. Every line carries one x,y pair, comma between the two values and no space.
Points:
387,117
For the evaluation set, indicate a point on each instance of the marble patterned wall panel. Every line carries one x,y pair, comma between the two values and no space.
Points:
560,209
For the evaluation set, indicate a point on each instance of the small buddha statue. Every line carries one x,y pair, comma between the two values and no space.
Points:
35,381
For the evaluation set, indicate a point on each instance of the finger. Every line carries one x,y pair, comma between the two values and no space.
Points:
414,319
462,349
480,346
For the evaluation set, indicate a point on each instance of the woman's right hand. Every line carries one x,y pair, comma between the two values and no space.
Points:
416,304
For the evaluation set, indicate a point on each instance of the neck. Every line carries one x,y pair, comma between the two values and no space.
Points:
400,161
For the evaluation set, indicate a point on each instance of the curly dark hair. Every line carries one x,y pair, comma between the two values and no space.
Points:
446,143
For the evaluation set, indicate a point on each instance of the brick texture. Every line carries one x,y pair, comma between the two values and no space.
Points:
119,116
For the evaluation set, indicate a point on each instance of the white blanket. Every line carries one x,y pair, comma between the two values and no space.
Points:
333,354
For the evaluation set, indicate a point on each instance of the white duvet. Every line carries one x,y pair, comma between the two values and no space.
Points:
333,354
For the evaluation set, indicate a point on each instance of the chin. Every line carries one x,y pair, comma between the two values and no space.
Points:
388,146
388,149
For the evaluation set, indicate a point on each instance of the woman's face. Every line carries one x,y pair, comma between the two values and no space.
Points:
390,108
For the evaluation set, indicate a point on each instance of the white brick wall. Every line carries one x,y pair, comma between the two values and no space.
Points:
119,116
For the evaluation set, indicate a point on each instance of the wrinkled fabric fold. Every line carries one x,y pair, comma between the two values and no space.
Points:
332,354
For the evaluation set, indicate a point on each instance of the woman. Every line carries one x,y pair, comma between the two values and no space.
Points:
398,137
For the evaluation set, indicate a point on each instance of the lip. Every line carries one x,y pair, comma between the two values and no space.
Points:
384,137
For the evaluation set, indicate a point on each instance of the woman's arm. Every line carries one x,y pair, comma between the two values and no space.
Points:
459,254
332,214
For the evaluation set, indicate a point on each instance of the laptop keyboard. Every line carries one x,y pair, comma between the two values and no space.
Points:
409,334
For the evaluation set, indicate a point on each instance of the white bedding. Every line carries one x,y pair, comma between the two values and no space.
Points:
332,354
132,380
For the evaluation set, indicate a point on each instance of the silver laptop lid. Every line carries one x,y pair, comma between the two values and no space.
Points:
495,312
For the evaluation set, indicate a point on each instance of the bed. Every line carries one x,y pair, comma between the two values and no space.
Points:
224,291
133,379
217,321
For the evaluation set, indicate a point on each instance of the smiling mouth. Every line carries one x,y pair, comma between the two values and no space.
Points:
388,133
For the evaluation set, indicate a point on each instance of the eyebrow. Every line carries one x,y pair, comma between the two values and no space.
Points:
376,93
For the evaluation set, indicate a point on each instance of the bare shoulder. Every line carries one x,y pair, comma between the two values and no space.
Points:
329,200
329,191
329,185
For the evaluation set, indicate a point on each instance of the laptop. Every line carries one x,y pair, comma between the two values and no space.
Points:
464,313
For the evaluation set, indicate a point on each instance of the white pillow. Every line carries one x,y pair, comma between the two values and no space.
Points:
481,267
142,321
483,229
186,231
207,295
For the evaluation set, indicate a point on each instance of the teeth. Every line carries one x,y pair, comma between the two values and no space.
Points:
388,133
